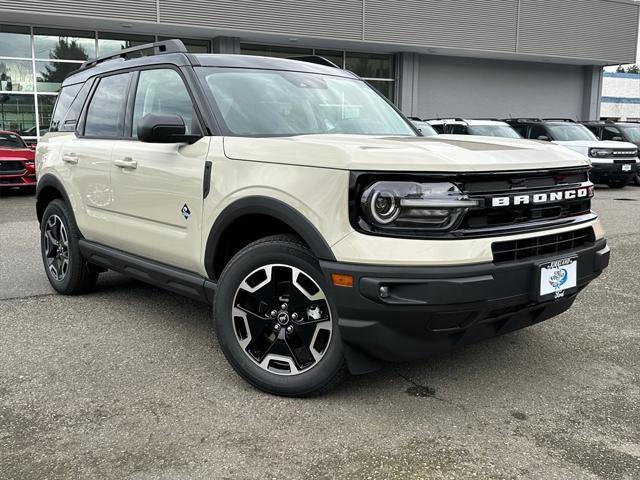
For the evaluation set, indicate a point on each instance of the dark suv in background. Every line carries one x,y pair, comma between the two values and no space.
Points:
617,131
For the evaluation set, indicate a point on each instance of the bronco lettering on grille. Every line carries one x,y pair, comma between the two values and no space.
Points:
543,197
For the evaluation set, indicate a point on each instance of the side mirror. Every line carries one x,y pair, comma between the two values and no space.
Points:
32,146
544,138
617,139
164,128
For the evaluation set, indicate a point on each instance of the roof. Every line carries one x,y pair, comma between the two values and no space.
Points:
207,60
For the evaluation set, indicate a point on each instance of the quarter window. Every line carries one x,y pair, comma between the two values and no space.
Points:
163,91
106,110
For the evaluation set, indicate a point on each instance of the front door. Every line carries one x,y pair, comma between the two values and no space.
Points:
158,187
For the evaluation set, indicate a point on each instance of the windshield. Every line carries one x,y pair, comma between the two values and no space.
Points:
568,132
494,131
11,140
282,103
632,133
426,129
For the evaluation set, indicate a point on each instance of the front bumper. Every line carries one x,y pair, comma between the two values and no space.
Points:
604,172
433,309
26,177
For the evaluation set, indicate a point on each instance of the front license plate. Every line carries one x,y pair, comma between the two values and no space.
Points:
626,168
558,277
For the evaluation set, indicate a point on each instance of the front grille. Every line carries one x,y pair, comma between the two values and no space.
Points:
526,183
514,250
624,153
11,167
10,181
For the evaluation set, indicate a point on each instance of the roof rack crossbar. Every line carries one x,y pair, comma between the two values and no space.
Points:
165,46
561,120
523,119
317,59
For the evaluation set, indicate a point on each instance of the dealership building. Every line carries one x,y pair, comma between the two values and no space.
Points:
432,58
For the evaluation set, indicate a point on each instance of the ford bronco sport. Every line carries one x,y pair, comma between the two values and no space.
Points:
326,233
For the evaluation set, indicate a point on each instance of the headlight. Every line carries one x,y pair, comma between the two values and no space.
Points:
410,205
600,152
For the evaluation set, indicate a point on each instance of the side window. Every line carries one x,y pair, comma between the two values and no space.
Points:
163,91
597,131
71,119
105,114
538,131
65,99
521,129
457,129
609,133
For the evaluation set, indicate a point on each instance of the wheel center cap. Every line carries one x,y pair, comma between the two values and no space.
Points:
283,318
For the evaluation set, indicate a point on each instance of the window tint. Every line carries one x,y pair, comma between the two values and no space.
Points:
106,110
521,129
65,99
11,140
537,131
163,91
456,129
609,133
66,115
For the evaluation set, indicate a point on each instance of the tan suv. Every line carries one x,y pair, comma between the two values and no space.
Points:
324,230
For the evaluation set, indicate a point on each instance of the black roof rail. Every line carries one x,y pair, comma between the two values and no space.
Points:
159,48
317,59
492,119
570,120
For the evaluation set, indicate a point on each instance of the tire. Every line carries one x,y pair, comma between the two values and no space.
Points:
67,271
275,321
617,183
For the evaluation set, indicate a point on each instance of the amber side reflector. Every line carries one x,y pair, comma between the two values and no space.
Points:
342,280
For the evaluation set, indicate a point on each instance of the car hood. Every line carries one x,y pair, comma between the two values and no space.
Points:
17,154
443,153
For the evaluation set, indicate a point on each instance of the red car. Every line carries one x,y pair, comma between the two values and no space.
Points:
17,162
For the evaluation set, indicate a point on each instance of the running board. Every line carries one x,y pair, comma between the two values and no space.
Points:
155,273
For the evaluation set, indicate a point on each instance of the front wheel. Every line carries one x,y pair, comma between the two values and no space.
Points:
275,321
66,269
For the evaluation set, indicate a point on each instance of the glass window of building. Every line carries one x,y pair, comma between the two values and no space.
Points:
45,109
49,75
15,41
335,56
370,65
18,114
16,75
273,50
60,44
193,45
110,43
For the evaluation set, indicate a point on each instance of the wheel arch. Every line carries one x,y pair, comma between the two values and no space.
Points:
48,189
284,219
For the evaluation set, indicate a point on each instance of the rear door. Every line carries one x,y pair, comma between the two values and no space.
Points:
87,154
158,187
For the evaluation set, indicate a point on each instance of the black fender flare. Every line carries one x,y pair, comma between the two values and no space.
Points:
46,181
264,206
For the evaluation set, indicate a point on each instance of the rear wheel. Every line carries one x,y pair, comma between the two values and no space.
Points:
275,322
66,270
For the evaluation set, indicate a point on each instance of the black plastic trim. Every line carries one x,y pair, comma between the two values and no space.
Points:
206,181
265,206
170,278
49,180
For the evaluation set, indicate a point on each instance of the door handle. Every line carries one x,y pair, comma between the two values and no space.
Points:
126,162
71,158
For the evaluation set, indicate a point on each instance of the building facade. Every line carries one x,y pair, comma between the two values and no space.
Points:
433,58
621,96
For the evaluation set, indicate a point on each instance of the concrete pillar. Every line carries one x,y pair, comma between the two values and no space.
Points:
408,82
230,45
592,92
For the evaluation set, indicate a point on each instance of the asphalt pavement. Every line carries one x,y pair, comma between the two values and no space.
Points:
128,382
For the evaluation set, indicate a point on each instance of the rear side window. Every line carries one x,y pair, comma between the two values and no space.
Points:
105,115
537,131
65,99
66,121
609,133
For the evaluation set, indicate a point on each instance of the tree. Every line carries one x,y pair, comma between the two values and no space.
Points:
633,69
55,72
620,69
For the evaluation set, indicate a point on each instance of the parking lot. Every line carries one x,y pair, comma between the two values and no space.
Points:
129,382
